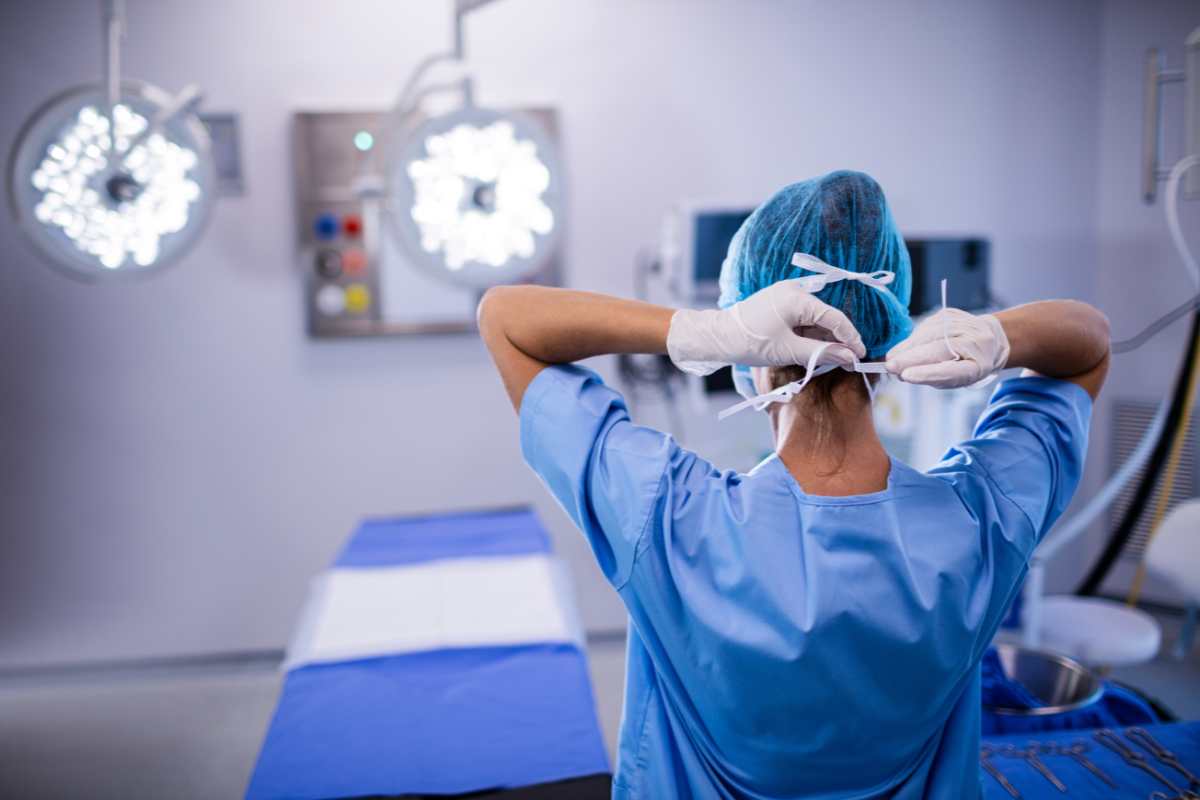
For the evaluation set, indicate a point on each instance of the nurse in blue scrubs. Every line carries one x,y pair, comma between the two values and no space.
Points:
811,628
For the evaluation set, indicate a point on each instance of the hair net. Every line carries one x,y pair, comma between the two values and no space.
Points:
843,219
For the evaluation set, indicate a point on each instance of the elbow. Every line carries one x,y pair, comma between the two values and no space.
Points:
1100,350
1095,322
1100,320
1102,331
492,306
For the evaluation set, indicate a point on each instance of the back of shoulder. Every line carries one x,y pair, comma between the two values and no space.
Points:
1027,451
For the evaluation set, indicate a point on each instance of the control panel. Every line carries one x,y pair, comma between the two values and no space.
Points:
357,279
338,169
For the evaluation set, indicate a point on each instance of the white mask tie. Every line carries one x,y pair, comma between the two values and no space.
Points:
946,325
815,283
789,390
831,274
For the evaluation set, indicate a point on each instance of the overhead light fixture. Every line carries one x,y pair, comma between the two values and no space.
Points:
114,179
476,194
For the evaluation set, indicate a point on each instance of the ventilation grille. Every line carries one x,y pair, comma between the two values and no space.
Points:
1130,421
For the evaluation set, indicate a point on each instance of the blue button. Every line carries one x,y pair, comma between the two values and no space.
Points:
326,226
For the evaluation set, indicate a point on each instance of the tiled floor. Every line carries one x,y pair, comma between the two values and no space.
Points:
195,733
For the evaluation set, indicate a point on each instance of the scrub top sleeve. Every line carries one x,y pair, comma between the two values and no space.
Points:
606,472
1031,443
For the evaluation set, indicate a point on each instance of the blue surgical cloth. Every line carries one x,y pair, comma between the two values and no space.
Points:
843,219
438,722
786,645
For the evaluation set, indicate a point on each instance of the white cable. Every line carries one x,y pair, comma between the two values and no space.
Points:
1172,209
946,324
1080,521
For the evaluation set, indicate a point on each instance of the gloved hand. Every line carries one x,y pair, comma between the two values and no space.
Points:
950,349
780,325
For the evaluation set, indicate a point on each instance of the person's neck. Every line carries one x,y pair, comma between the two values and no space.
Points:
831,450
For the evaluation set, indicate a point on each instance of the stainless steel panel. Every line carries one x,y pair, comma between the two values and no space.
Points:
334,177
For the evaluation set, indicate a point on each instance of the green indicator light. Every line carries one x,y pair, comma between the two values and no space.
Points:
364,141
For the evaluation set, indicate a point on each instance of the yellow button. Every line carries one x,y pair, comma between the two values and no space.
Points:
358,298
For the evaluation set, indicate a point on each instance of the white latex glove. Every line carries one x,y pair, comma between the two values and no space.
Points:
952,348
778,326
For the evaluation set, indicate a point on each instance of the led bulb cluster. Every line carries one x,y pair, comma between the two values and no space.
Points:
72,181
446,206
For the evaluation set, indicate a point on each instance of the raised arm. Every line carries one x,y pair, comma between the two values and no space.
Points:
1063,339
527,328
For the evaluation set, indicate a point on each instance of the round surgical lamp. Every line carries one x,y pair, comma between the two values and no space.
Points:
114,179
476,194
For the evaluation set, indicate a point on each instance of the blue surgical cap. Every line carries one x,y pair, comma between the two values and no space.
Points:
843,219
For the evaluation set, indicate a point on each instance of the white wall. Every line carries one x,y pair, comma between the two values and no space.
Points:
177,458
1140,274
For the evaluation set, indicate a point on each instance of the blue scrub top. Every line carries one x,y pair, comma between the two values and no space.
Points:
786,645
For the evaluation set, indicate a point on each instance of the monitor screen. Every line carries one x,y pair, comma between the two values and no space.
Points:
965,263
713,230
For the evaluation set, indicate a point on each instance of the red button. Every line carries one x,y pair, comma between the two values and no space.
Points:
352,225
354,261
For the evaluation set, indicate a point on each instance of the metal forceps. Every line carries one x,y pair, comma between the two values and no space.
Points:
1076,751
1030,754
1143,737
1133,758
985,755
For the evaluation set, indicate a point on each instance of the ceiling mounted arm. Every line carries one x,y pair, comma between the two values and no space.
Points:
461,9
410,96
113,32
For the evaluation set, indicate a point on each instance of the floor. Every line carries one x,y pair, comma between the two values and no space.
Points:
193,731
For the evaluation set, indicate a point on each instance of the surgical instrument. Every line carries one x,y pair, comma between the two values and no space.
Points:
1135,759
1165,756
1076,751
985,755
1031,757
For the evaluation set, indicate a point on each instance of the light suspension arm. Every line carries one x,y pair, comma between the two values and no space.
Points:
184,102
114,32
409,96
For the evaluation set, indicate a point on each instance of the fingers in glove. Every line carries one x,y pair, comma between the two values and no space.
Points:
950,321
841,327
915,338
797,350
837,354
946,375
919,354
921,336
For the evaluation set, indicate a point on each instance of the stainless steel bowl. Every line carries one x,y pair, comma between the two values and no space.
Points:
1062,683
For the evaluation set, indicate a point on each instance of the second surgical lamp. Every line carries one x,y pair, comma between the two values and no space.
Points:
475,194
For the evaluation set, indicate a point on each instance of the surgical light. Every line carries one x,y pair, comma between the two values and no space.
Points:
112,179
476,193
